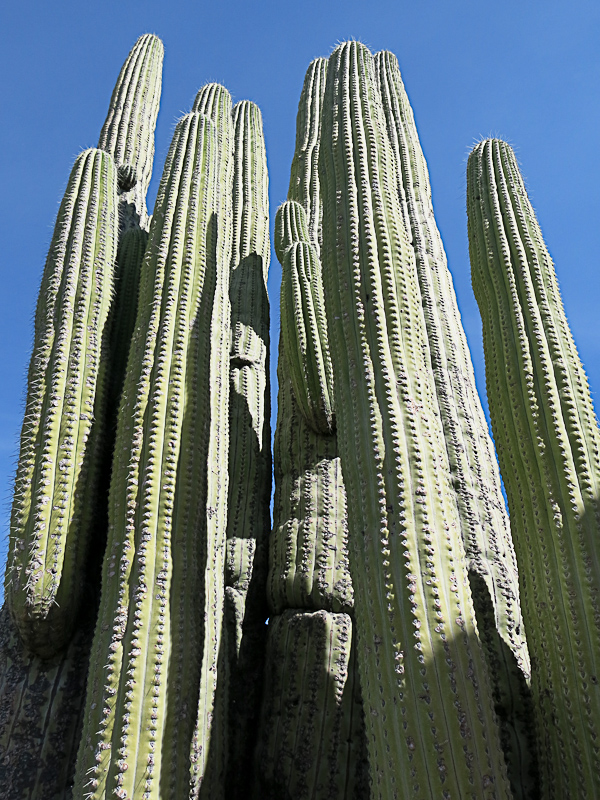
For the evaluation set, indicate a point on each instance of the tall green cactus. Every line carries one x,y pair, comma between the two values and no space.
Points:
549,447
422,671
54,498
312,712
128,131
474,473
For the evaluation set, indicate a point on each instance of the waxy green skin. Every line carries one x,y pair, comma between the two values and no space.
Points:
54,498
128,131
422,670
548,443
474,473
146,731
248,505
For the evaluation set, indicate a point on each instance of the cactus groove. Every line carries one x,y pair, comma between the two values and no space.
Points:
549,447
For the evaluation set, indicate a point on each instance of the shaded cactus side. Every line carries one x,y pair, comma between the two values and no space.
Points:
474,472
128,131
57,469
549,447
422,670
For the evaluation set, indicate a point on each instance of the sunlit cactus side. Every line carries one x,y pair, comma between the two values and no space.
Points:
311,734
473,467
549,448
50,527
153,667
248,507
128,131
431,728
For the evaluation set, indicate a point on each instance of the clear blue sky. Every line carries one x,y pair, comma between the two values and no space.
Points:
527,71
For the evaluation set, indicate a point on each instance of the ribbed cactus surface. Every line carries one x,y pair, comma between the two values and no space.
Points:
128,131
146,729
422,671
549,447
51,520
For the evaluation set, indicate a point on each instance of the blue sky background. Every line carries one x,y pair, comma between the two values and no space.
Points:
527,71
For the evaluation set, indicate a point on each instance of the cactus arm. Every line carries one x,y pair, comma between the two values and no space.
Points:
128,131
49,539
249,518
422,673
548,443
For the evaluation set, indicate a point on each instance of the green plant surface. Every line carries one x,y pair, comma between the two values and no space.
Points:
431,728
549,448
54,496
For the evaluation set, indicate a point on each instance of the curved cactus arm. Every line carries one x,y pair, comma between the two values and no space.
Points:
303,322
313,716
304,173
128,131
549,448
248,508
168,491
422,672
50,530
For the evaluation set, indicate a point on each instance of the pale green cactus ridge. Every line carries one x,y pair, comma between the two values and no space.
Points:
304,335
549,448
291,225
41,702
49,530
422,671
473,465
304,177
314,743
308,561
157,522
128,131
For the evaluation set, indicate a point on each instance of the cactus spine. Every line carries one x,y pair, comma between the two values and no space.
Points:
56,473
549,448
474,473
422,672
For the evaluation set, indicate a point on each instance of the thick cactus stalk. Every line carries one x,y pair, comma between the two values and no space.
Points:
549,448
313,744
311,736
146,730
473,468
51,516
249,517
128,131
431,728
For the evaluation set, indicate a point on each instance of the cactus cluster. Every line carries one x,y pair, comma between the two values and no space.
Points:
160,639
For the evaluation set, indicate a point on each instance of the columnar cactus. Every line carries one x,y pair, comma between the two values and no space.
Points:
431,726
248,511
474,473
146,730
128,132
314,718
549,448
54,498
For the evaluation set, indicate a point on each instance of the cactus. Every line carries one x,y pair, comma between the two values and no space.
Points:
422,671
128,131
249,518
474,473
57,469
549,449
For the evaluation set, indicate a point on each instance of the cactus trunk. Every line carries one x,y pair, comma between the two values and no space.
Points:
422,671
549,448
